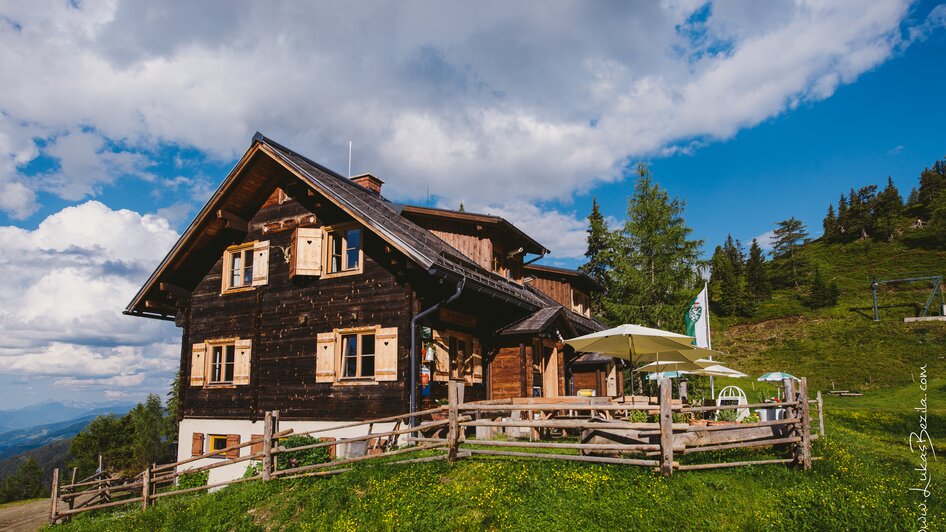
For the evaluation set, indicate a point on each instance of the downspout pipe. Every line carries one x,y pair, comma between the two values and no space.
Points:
419,316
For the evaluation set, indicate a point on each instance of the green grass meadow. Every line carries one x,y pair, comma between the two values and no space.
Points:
861,483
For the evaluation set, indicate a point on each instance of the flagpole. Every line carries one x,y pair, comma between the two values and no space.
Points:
709,337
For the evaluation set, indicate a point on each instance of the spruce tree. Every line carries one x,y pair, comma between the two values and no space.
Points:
830,225
841,233
727,287
887,209
932,182
757,279
655,261
598,253
820,293
789,236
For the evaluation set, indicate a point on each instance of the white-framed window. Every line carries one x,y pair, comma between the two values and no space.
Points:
344,250
358,355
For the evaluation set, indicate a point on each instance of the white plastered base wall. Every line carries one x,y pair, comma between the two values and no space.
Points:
246,429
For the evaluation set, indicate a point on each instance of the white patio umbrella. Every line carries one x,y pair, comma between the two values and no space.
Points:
718,370
776,376
688,366
631,342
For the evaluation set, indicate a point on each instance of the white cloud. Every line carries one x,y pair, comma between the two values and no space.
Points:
765,240
484,102
65,285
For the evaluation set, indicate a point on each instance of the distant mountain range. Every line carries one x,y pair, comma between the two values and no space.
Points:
37,425
55,412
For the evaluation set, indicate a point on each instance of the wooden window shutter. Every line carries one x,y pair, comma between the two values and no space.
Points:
197,444
198,364
306,252
325,357
477,362
261,263
233,439
241,363
385,345
256,447
442,356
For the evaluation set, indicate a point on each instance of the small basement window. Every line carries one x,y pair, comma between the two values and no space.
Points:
358,351
217,442
238,267
222,358
344,250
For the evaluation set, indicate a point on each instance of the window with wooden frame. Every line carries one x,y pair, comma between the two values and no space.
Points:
221,363
344,255
358,352
458,356
359,355
238,266
245,266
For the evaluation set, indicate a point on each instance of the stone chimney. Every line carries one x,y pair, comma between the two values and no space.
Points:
368,181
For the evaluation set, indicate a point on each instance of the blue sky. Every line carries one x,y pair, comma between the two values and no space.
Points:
117,121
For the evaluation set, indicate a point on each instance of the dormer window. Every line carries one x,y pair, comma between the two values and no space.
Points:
345,255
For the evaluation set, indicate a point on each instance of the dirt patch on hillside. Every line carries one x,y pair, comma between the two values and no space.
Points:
26,516
771,329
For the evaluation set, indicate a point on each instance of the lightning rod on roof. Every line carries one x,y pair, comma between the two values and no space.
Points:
349,159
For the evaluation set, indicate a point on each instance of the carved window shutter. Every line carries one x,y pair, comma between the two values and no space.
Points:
477,362
198,366
325,357
386,354
306,252
241,363
233,439
442,355
261,263
197,444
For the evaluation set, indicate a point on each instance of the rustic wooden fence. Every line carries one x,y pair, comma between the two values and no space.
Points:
105,491
602,432
599,430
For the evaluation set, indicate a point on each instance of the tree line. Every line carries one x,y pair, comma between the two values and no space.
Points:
883,216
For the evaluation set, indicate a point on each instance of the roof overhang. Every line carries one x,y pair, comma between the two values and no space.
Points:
500,224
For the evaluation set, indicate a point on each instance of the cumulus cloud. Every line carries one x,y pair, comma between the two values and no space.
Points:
486,102
65,285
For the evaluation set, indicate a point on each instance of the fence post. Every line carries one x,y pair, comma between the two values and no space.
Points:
804,447
788,392
820,414
54,497
146,489
268,446
666,429
453,432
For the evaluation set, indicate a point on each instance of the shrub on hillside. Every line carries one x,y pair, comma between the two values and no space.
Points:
305,457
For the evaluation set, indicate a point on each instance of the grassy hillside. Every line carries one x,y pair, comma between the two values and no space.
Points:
842,344
846,490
